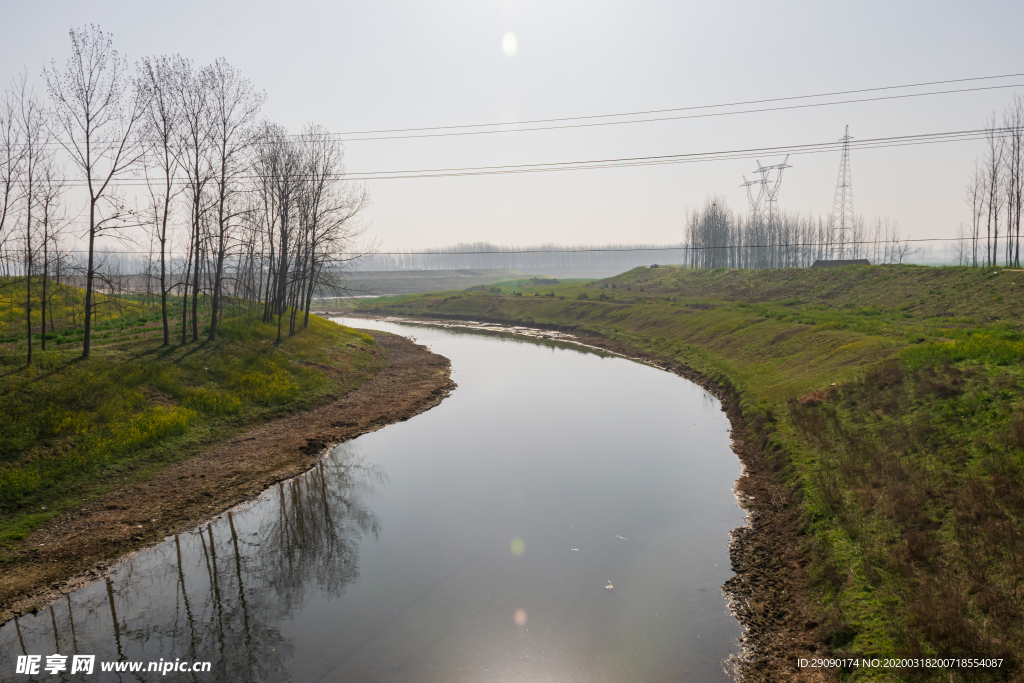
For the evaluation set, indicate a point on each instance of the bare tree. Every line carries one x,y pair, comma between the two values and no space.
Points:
975,196
158,79
234,105
193,87
329,207
993,183
34,139
52,220
11,156
876,240
1013,121
278,169
713,232
897,246
963,245
96,111
857,238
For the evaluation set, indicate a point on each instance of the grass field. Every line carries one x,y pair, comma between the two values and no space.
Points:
75,428
892,401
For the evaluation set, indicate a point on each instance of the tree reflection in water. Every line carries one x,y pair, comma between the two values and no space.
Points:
223,592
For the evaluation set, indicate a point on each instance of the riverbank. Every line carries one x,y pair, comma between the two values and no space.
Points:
879,414
82,544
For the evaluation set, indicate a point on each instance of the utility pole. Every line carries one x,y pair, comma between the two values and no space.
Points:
841,219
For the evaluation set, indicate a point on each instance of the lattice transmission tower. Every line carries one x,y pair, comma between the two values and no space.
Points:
772,189
755,202
765,207
841,220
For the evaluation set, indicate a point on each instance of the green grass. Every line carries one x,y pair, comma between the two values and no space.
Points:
909,471
74,428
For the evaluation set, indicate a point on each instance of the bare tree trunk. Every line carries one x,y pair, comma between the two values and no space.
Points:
222,225
89,274
42,302
195,277
184,299
234,106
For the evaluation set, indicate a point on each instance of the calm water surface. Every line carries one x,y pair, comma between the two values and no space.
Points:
475,542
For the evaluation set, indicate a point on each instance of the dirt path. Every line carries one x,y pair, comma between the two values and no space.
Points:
82,546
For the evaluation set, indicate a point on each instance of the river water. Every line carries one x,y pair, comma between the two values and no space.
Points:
563,516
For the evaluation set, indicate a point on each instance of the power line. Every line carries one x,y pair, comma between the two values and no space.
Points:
620,162
803,148
453,132
676,109
746,153
680,117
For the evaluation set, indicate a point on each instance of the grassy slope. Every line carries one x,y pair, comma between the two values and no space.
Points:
910,471
74,429
385,282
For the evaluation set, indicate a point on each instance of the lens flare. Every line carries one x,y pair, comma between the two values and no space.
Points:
520,617
509,44
518,546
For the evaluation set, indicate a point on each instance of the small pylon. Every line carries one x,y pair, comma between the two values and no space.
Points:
772,190
765,207
755,202
841,220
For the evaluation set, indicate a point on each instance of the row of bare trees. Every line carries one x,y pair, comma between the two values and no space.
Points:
718,238
32,185
234,207
995,194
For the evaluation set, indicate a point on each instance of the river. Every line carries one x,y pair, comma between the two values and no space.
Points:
563,516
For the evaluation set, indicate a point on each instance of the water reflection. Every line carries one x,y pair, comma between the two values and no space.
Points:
222,592
552,473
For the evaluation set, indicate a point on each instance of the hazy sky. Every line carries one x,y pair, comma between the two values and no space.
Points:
355,66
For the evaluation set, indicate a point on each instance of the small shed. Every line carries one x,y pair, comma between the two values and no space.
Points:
836,263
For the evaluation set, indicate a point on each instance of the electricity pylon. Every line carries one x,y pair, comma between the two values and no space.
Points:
772,190
755,203
766,205
841,219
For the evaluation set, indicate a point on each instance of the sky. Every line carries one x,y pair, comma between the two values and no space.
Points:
356,66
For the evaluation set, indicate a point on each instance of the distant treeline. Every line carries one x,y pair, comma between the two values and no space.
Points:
718,238
995,193
715,237
536,259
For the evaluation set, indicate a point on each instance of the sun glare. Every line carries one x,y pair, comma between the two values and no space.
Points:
509,44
